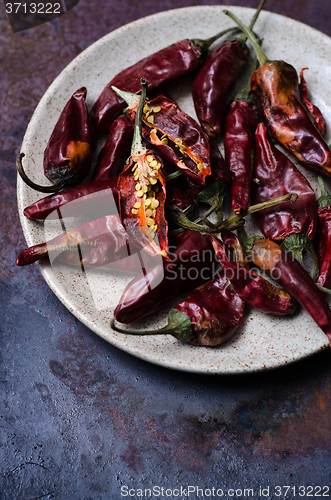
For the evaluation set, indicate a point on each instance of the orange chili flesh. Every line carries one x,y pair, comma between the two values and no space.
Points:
283,268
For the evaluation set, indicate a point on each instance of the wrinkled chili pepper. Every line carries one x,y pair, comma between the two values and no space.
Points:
275,87
142,191
208,317
214,82
240,125
276,175
314,111
116,150
251,287
159,68
176,135
191,264
287,271
323,240
68,154
45,206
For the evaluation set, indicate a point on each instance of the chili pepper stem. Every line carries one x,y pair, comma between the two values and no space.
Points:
325,199
323,289
137,145
206,43
243,37
174,175
262,58
37,187
314,260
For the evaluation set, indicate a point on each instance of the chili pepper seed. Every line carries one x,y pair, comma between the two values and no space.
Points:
140,194
150,119
157,109
155,203
137,204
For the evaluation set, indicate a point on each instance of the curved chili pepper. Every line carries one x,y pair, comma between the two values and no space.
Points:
314,111
275,87
45,206
116,150
323,240
176,135
215,80
275,176
208,317
251,287
287,271
191,264
159,68
68,154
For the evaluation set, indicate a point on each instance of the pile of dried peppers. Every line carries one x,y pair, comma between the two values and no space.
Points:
169,182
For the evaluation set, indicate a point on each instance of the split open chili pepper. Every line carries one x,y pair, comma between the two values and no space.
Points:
323,240
253,288
212,87
314,111
287,271
190,264
209,316
158,68
42,208
176,135
68,154
116,150
275,86
275,175
240,125
142,191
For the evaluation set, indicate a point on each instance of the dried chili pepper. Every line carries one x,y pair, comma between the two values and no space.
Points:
212,86
208,317
68,154
287,271
176,135
219,168
314,111
116,150
251,287
142,191
323,241
190,264
275,88
240,125
276,175
159,68
45,206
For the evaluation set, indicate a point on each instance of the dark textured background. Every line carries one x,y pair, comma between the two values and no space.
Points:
80,418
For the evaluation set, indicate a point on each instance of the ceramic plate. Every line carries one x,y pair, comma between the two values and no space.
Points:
263,342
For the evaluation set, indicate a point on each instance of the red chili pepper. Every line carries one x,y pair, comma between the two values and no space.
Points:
275,87
68,154
251,287
45,206
275,176
214,82
219,168
191,264
176,135
323,241
116,150
208,317
159,68
287,271
314,111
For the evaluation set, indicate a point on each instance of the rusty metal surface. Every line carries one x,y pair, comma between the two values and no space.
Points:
79,418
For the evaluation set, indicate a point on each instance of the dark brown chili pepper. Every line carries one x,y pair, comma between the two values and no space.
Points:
323,241
314,111
116,150
276,91
190,264
215,80
68,154
251,287
45,206
287,271
141,187
208,317
159,68
276,175
176,135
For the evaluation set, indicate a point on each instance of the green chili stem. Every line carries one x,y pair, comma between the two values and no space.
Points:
37,187
323,289
206,43
314,260
325,199
262,58
137,144
174,175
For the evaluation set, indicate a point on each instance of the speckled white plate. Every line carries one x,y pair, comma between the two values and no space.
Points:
263,342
